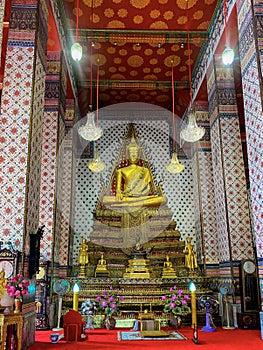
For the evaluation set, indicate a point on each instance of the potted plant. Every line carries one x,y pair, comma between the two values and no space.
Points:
109,303
17,287
176,302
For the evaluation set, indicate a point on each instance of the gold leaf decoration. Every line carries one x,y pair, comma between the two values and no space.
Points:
137,19
122,69
157,70
117,1
146,70
161,51
111,50
182,20
115,24
135,61
93,3
112,69
154,14
175,47
117,60
109,13
182,68
95,18
153,61
148,52
186,53
140,4
98,59
168,15
123,52
172,60
186,4
159,25
203,25
117,76
162,2
136,47
198,14
122,13
150,77
133,73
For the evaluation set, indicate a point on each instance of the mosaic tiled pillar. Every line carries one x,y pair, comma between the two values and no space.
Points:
205,213
250,46
52,155
232,212
66,241
2,12
22,106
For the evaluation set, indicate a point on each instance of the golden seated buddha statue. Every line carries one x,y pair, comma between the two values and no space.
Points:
101,268
168,270
133,184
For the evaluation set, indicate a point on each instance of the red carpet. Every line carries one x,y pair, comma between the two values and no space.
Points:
103,339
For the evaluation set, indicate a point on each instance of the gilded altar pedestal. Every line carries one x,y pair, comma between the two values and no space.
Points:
7,332
138,268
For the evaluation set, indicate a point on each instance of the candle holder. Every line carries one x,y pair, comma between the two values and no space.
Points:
195,335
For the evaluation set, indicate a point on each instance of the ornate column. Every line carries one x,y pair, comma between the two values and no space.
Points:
22,105
232,212
66,231
250,21
52,155
205,214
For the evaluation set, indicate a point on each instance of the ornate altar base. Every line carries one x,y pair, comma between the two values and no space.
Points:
139,295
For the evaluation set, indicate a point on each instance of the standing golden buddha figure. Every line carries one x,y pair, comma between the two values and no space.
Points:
83,258
190,257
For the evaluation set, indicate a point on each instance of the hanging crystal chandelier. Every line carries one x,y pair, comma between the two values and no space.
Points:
192,132
96,165
90,131
174,167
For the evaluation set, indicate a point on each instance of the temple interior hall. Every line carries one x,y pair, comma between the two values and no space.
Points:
131,163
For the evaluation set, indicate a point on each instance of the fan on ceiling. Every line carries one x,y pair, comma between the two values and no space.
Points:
60,287
209,305
226,290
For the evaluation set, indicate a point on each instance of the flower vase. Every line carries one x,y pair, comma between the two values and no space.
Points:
110,322
175,322
89,324
18,305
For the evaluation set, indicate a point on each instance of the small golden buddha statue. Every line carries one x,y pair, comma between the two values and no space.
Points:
83,258
133,183
3,282
101,269
190,257
168,270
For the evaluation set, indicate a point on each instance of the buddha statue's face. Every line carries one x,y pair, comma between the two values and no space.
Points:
133,154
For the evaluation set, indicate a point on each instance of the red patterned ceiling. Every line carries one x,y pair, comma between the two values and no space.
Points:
136,42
